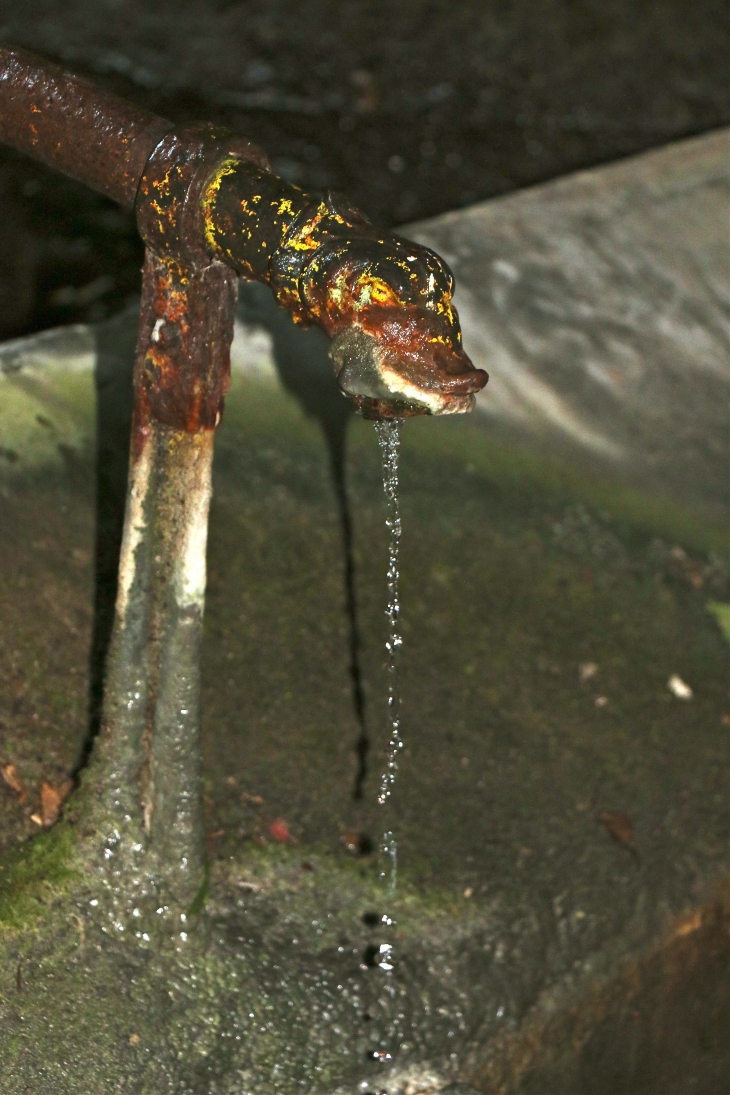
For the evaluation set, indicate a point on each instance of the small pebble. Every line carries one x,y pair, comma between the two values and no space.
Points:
679,688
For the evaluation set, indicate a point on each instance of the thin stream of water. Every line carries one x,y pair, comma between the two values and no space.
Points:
388,431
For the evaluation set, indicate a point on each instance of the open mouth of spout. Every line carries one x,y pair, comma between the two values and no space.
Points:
385,385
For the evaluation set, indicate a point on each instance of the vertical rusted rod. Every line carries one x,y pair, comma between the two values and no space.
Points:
145,770
209,208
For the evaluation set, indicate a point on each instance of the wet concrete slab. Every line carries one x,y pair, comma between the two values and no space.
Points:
599,305
560,809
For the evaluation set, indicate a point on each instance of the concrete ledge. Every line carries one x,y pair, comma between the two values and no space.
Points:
561,812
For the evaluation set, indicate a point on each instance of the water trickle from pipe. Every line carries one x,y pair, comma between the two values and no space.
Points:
388,431
383,955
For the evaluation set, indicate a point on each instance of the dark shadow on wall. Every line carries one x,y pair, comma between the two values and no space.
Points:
305,370
115,350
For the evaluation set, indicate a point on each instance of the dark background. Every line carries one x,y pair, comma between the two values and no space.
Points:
413,107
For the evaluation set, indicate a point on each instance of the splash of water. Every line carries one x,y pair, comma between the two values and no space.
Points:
388,431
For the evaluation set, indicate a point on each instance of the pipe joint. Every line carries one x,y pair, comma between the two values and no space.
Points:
181,172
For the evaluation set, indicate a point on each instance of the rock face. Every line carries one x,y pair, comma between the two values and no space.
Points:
599,304
560,810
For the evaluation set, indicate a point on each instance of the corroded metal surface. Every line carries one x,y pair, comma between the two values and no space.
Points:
74,126
183,353
209,209
209,193
386,302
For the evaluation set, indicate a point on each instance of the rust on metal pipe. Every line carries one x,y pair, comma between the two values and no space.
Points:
207,196
70,124
188,296
150,726
208,209
385,302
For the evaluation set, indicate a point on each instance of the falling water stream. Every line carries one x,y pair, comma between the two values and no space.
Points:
388,431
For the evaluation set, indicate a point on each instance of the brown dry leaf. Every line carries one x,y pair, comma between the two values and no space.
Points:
695,577
52,800
11,778
620,828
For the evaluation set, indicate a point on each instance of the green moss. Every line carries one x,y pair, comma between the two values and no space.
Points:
521,469
32,875
721,613
199,901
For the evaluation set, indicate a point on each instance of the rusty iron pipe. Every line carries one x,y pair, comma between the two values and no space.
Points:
73,125
204,194
209,209
385,302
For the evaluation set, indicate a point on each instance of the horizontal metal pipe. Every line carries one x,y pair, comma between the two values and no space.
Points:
205,199
247,213
75,126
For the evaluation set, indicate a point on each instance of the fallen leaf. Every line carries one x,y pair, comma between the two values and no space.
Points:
249,887
134,1039
256,800
691,924
679,688
36,818
620,828
52,799
11,778
280,830
695,577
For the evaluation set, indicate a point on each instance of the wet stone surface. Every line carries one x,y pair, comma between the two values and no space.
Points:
507,882
560,811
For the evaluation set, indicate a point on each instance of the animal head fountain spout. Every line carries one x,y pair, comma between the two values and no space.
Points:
386,303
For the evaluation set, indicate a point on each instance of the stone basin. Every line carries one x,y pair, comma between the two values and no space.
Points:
563,560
